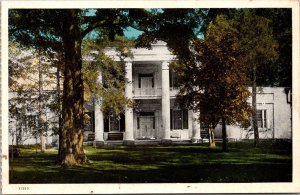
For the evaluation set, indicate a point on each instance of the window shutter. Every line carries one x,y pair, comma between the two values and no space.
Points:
93,121
268,120
170,78
152,82
122,122
106,125
185,119
153,123
139,81
171,119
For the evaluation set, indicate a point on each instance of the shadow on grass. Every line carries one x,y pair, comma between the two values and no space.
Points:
158,164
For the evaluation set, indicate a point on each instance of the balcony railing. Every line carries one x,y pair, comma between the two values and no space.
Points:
153,92
146,92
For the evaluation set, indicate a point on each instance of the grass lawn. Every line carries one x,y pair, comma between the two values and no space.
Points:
156,164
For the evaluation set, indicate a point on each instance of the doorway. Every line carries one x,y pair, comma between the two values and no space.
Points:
146,126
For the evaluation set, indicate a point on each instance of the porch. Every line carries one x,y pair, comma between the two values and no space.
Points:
145,142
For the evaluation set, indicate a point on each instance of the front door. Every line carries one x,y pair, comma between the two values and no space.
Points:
146,127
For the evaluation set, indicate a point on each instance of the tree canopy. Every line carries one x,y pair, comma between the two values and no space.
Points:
63,31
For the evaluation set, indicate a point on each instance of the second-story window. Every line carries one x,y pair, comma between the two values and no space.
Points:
173,79
146,81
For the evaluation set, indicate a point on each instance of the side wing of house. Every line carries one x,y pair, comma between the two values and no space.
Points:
274,113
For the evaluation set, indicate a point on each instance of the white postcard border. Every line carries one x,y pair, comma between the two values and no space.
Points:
160,187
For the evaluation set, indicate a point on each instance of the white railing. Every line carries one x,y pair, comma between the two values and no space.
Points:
153,92
140,92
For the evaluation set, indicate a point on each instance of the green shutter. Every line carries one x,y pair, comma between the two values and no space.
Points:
185,119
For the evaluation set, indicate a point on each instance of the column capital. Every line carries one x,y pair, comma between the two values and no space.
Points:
128,62
128,65
165,65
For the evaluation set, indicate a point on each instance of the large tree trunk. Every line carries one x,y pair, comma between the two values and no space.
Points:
224,135
72,152
254,110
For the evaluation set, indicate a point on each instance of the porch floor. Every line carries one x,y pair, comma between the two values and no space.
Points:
141,142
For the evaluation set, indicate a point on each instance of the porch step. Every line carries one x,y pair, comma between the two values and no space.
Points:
115,136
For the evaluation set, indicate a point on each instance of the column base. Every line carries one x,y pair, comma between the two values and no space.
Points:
196,140
128,142
98,143
166,142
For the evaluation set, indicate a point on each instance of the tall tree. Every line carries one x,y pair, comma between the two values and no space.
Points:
63,31
260,50
261,32
220,86
28,102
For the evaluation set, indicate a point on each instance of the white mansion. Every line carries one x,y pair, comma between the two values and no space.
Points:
151,84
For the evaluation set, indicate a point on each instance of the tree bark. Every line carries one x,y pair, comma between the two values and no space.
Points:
224,135
254,109
72,152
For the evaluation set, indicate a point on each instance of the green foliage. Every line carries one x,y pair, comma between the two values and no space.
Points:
276,25
220,81
112,85
25,96
63,31
256,39
280,21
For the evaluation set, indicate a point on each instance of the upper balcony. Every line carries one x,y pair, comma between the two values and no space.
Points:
147,81
146,93
152,93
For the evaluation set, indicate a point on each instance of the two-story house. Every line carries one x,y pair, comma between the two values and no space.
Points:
157,116
151,84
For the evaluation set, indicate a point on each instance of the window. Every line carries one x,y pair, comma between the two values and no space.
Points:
179,119
261,118
114,123
173,79
146,81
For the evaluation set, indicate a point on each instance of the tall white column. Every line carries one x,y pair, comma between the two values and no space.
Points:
165,100
98,119
196,128
128,111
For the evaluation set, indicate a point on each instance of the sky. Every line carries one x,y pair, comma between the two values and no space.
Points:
132,33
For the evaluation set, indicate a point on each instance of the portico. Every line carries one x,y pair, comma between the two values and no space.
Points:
147,81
